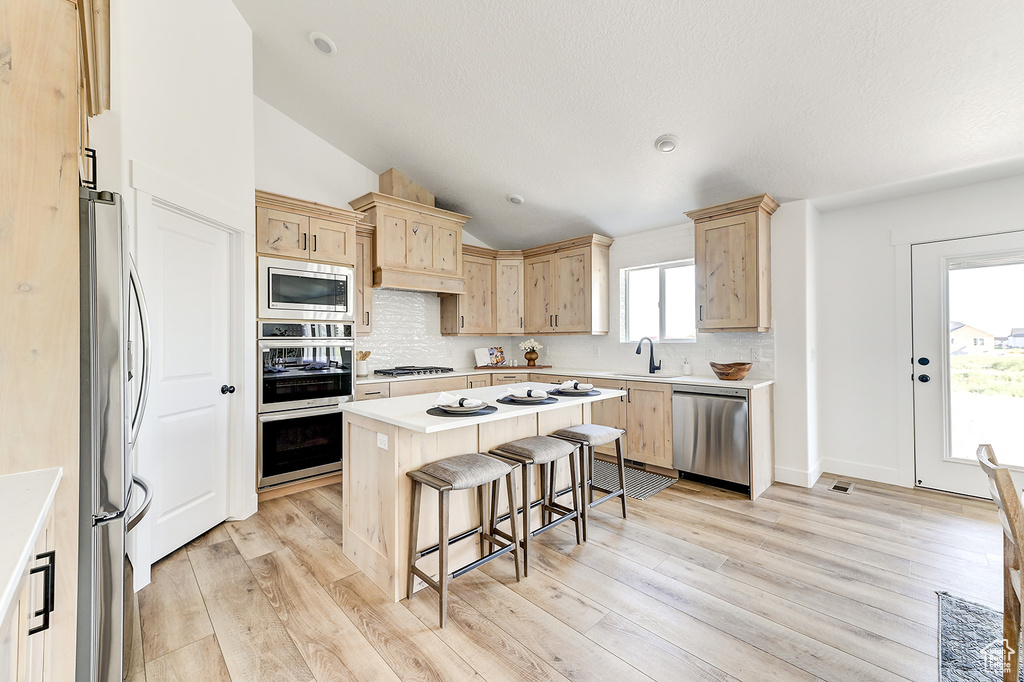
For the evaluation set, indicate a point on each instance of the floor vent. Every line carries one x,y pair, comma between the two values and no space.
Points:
842,487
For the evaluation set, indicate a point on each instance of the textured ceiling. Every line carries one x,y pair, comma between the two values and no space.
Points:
561,101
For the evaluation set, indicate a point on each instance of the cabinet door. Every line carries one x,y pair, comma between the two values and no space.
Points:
447,247
572,291
282,234
364,285
417,386
391,239
332,242
479,380
726,272
649,422
610,413
509,378
509,297
539,275
375,391
476,306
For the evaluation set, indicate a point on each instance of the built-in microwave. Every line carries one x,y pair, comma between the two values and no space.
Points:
297,290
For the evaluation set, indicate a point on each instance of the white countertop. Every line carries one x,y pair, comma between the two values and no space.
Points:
25,502
410,412
747,384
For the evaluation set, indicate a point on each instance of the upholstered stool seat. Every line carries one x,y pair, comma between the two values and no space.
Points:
461,472
590,436
544,451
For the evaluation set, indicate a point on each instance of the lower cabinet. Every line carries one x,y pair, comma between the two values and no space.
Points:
374,391
478,380
417,386
611,413
509,378
649,422
25,657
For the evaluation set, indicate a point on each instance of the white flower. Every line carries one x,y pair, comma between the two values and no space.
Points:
530,345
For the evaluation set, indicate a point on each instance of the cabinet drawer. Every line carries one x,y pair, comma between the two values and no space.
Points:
509,378
373,391
417,386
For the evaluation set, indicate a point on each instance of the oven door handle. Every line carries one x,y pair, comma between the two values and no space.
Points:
307,344
295,414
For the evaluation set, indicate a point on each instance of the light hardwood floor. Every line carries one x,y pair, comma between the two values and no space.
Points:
698,584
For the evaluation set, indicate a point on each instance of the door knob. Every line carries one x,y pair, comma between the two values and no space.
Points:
227,389
923,361
924,378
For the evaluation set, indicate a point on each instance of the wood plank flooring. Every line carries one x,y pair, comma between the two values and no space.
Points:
697,584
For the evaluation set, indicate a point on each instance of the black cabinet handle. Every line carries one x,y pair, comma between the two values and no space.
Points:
700,315
303,242
551,321
367,317
556,320
372,393
520,322
49,579
629,395
227,389
314,242
463,318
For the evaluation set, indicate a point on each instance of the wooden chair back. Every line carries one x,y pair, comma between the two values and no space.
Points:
1011,512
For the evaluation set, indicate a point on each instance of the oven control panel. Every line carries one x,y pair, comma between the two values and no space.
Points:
304,330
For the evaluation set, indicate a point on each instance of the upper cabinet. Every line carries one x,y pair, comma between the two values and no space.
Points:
509,295
471,313
567,287
293,228
733,265
364,281
418,247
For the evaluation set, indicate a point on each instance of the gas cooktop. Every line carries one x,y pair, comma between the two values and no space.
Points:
409,370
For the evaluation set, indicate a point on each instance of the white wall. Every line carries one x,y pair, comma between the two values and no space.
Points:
863,318
797,459
608,352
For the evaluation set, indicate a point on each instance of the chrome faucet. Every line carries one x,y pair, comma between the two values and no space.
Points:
654,367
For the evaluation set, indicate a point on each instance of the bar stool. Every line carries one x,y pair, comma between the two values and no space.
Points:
590,436
472,470
545,452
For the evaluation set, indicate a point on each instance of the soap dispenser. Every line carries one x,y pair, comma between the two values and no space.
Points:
686,368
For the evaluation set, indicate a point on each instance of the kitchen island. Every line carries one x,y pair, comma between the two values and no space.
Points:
385,439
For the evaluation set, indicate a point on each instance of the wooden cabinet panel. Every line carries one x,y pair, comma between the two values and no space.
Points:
332,242
539,277
391,241
375,391
364,285
509,378
419,245
649,422
732,258
282,234
509,297
471,313
611,413
417,386
572,291
479,380
446,246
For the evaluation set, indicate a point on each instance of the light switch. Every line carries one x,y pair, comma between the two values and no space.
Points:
382,441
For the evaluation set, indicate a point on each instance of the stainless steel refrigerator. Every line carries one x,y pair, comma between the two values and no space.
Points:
115,377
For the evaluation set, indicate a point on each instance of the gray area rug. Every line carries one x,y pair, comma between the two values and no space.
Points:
970,641
639,484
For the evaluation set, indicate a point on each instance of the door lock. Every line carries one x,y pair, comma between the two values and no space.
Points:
923,361
924,378
227,389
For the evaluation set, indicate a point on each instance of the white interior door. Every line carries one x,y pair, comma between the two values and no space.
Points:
968,326
186,265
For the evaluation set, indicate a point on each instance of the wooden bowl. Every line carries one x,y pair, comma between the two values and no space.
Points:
731,371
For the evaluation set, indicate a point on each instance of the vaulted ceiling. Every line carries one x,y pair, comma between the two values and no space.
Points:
561,102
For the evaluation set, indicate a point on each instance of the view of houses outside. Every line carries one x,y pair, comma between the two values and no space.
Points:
986,360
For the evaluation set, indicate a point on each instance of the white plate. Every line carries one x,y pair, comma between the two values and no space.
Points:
533,399
462,410
575,391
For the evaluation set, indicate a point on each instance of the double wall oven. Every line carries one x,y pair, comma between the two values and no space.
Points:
307,359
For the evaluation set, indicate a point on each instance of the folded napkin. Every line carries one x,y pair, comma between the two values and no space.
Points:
527,393
455,400
575,386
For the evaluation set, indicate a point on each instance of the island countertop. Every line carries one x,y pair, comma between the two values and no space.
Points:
410,412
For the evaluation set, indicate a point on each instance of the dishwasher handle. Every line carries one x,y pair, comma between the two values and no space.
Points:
711,391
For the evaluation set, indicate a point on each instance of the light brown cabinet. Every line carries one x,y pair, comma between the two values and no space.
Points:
732,256
417,386
509,378
473,312
364,282
26,657
374,391
509,296
566,287
418,247
649,422
294,228
479,380
611,413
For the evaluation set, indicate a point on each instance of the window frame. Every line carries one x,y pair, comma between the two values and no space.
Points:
683,262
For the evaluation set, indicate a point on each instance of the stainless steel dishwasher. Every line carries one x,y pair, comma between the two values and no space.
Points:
710,434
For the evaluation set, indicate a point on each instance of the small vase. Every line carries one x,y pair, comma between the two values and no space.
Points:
531,358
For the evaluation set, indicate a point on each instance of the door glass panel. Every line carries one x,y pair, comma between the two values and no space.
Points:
986,357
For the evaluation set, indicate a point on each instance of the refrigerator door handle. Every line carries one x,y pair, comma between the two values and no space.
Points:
147,489
140,296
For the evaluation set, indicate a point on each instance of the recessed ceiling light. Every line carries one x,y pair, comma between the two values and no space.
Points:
515,199
666,143
323,43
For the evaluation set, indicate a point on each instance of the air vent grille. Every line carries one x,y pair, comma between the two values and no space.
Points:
842,487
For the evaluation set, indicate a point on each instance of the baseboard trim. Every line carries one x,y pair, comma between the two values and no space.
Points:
798,477
867,472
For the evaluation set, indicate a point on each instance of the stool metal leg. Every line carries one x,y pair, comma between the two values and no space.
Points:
442,555
622,473
526,518
574,478
483,518
511,481
585,474
414,533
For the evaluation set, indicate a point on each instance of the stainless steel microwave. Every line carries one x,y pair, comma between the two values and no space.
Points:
297,290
